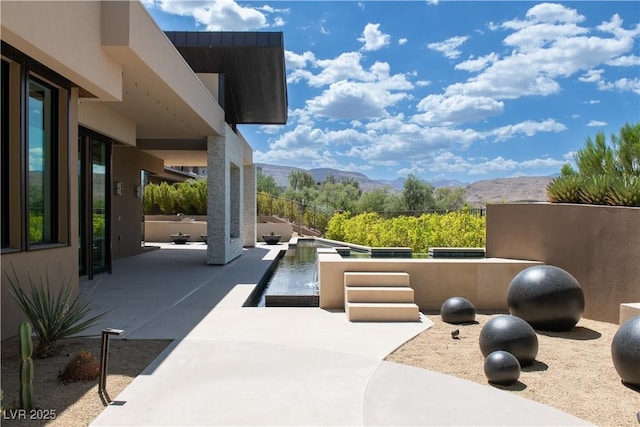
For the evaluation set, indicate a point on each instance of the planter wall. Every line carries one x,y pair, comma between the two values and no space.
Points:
598,245
285,230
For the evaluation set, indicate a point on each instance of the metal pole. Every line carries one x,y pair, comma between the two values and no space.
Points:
104,360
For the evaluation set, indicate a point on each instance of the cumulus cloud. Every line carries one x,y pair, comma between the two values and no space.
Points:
528,128
373,38
216,15
596,123
449,47
451,110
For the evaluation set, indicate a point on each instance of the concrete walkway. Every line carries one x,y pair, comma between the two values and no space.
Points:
231,365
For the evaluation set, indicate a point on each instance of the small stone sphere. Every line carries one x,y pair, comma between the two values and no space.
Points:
625,351
511,334
458,310
546,297
502,367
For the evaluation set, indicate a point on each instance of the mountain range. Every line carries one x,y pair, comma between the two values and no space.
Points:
498,190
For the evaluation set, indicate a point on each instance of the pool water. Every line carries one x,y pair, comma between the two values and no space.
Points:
295,279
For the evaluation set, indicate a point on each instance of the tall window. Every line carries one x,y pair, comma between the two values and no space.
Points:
34,164
42,187
4,155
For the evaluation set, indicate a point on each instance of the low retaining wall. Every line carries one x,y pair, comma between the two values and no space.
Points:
285,230
484,282
160,231
598,245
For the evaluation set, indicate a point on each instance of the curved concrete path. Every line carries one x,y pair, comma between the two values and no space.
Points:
286,366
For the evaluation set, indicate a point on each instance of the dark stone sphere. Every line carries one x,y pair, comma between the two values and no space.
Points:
512,334
547,297
458,310
502,367
625,351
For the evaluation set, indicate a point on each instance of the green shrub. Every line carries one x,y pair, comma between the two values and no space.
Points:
454,229
624,191
564,189
53,315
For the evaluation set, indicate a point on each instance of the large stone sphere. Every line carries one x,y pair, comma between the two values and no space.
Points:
502,367
625,351
511,334
458,310
547,297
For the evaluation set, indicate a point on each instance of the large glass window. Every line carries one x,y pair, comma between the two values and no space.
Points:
42,182
34,166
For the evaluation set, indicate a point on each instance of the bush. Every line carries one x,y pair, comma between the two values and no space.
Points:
454,229
53,316
607,173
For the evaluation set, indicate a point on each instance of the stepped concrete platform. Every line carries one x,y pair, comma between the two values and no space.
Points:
379,297
232,365
378,294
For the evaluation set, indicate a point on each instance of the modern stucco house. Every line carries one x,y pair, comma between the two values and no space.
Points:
96,99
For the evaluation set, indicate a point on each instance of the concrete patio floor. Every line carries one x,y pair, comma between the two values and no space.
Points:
234,365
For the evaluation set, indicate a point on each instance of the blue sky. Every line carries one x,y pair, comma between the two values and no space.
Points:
444,90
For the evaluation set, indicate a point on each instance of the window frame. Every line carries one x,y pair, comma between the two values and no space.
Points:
23,70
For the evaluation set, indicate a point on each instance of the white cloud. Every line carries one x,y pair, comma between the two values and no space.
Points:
455,109
294,60
373,38
528,128
216,15
548,45
625,61
449,47
402,41
596,123
592,102
447,162
477,64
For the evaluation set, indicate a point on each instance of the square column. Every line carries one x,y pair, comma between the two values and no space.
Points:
250,206
224,197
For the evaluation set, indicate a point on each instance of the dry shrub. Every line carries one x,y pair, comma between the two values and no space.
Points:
82,367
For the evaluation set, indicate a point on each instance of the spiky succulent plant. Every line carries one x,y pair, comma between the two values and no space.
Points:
624,191
594,189
564,189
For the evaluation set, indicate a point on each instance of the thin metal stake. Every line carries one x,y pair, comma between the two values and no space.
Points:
104,362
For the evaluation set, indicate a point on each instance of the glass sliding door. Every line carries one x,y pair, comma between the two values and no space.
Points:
99,211
94,203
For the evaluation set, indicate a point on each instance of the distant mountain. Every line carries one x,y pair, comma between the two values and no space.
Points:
499,190
281,174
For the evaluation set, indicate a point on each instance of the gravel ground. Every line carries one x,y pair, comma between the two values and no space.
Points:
573,372
74,404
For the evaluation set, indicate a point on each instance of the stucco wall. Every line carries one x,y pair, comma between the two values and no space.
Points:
598,245
484,282
29,26
55,267
126,210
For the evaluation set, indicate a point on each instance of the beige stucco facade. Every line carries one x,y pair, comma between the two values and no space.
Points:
128,84
598,245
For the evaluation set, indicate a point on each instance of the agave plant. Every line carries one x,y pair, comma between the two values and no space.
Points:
54,315
625,191
594,189
564,189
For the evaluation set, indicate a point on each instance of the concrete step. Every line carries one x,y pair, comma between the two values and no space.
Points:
388,294
376,278
382,312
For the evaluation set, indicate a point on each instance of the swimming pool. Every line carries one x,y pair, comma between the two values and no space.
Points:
292,281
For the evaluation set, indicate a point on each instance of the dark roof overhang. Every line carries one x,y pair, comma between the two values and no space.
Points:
253,65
